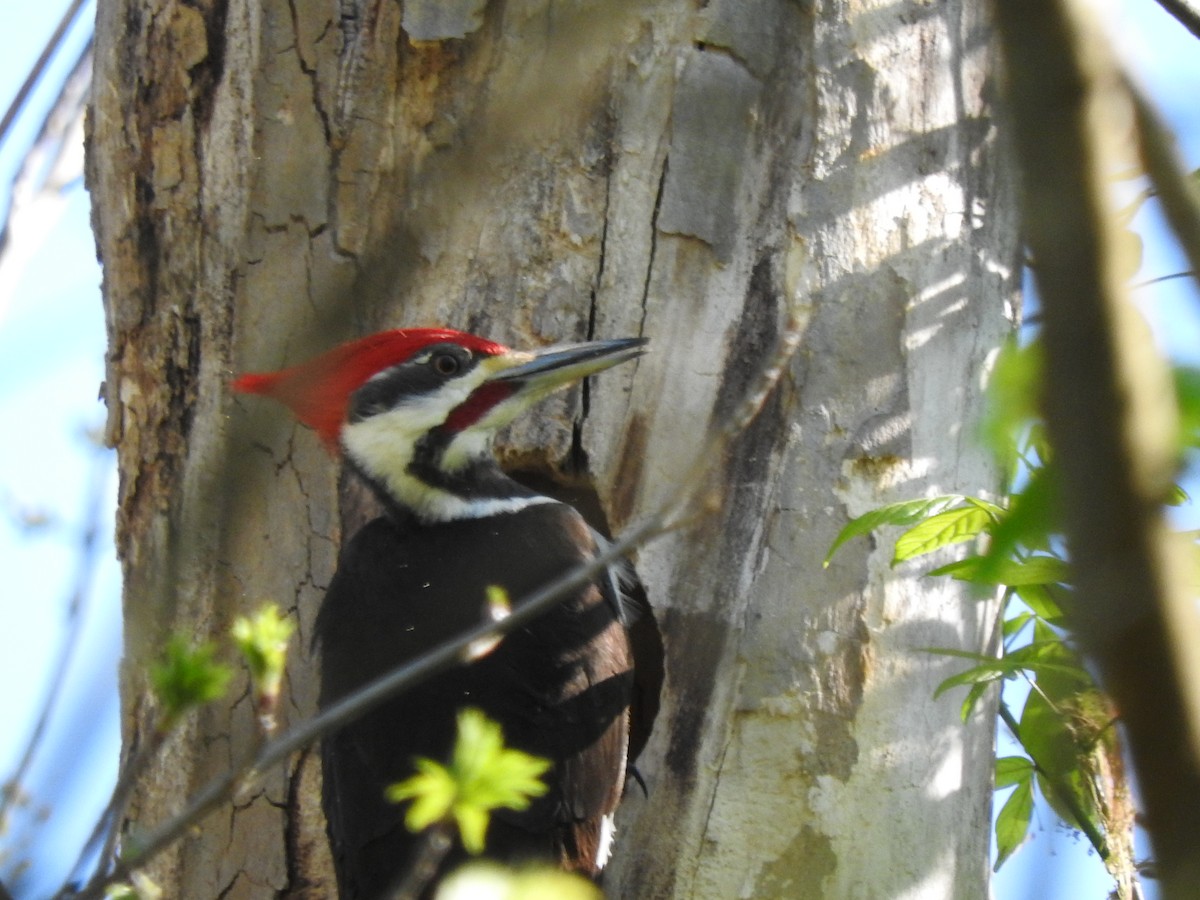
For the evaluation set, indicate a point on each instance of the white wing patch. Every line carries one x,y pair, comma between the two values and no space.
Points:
608,833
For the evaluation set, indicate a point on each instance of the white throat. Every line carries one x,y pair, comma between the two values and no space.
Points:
383,447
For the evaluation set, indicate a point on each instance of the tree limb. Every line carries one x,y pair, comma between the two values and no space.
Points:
1110,413
1179,193
39,67
1186,12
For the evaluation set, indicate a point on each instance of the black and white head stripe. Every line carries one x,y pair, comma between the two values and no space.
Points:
424,374
421,430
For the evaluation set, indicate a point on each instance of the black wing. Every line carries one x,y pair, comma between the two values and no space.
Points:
560,687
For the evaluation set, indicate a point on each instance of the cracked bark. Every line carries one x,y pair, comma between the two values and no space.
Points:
270,177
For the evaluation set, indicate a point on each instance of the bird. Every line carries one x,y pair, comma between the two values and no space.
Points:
413,413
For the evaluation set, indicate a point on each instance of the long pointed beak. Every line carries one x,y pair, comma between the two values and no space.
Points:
557,366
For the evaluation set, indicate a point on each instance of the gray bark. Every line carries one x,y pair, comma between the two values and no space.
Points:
270,178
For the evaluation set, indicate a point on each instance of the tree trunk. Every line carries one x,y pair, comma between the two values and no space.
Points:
270,178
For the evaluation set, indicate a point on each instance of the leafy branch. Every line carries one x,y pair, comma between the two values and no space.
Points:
1109,404
1072,753
1057,750
483,775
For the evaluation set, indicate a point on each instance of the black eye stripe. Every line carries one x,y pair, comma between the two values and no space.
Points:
422,375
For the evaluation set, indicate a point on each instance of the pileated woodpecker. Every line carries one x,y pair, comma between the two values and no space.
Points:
414,411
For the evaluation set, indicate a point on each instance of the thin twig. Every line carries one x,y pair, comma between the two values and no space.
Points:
1061,791
107,829
1178,193
37,193
353,706
39,67
1186,12
436,842
1159,279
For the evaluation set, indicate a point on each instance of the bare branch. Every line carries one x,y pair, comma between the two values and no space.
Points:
1186,12
39,67
1178,192
107,830
53,162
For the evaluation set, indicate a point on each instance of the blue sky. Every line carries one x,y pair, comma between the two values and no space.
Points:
52,345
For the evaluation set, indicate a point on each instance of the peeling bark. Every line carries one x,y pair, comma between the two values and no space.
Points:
271,177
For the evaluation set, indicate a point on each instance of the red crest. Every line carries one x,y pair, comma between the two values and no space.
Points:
318,391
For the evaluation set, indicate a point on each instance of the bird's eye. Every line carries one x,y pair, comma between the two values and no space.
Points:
446,364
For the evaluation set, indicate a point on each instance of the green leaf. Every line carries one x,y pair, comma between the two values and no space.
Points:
1048,735
977,676
962,654
1013,395
1048,641
1012,770
1035,570
952,526
1012,823
1187,393
1044,658
906,512
483,776
974,695
960,569
1074,785
1013,625
1036,446
995,512
187,677
472,826
1178,496
1033,515
1057,667
1040,601
496,776
432,790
